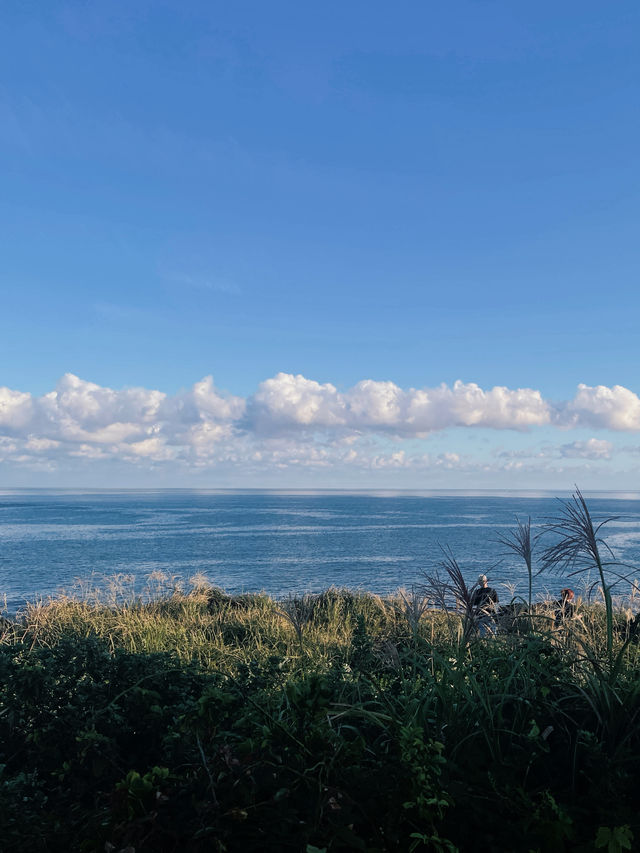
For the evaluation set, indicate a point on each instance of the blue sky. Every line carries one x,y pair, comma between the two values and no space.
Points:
341,192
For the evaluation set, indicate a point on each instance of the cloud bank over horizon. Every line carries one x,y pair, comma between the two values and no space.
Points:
294,422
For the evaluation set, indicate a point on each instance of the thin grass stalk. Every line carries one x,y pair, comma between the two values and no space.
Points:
519,541
451,593
579,549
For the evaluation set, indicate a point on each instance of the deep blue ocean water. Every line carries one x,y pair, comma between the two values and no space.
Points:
280,542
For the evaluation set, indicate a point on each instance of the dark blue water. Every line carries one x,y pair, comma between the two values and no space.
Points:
275,541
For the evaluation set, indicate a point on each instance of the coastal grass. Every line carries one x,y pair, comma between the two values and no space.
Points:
338,721
189,719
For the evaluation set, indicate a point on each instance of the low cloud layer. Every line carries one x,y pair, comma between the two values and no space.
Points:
288,402
289,420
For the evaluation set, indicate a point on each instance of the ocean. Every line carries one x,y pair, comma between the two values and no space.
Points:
282,542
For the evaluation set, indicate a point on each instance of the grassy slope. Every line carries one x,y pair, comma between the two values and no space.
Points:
342,722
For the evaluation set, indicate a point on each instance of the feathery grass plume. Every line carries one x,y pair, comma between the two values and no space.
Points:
580,548
520,542
387,654
199,583
451,593
162,585
413,604
298,611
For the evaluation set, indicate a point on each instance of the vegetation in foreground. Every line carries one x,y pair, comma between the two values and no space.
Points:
342,721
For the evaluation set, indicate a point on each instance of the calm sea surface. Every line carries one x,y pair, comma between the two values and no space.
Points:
280,542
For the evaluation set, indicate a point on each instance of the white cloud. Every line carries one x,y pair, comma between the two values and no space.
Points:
84,420
41,445
88,451
389,460
377,404
154,449
615,408
292,421
95,404
16,409
287,402
466,404
204,438
525,453
593,448
201,404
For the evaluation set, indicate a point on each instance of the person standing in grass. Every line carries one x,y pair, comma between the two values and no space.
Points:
565,606
484,601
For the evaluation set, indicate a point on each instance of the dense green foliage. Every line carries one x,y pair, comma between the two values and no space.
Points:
334,722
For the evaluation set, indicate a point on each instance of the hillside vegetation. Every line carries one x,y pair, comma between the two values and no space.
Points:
342,721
